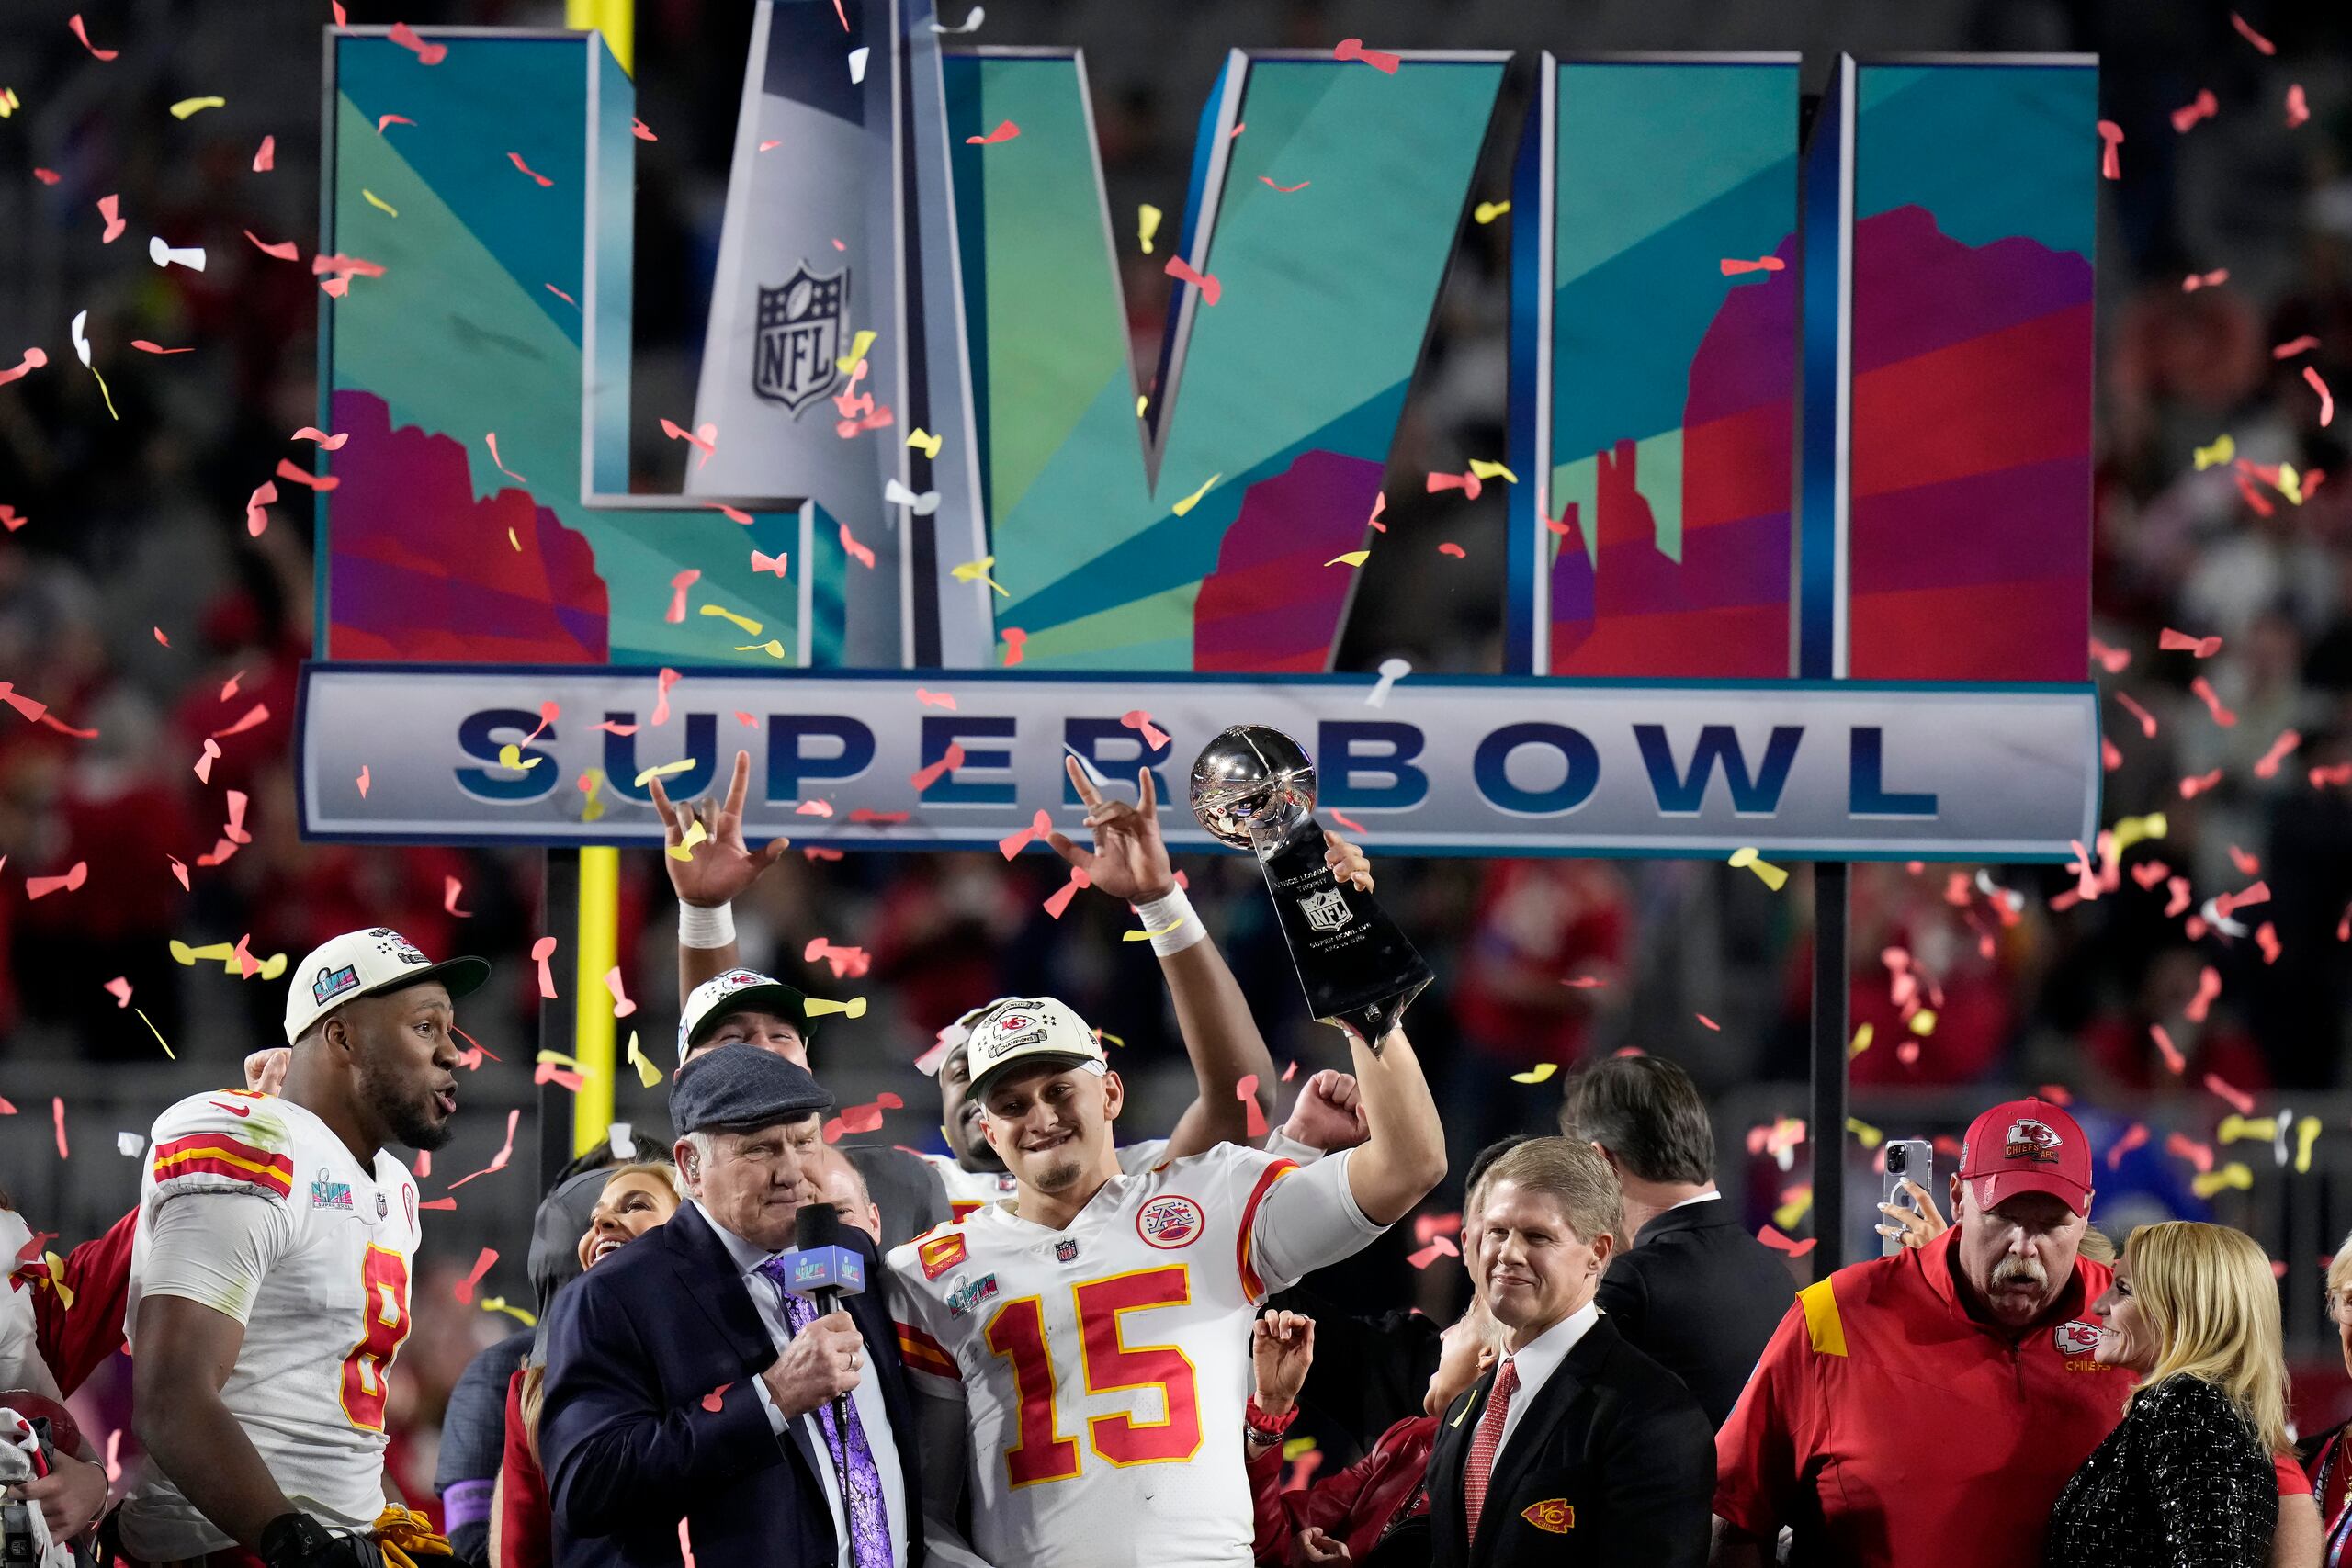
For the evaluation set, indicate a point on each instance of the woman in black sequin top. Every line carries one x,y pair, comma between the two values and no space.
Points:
2187,1479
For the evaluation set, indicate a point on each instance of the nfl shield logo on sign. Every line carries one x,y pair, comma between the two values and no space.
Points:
1327,911
800,338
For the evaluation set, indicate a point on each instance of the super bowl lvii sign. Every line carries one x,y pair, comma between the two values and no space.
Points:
1799,445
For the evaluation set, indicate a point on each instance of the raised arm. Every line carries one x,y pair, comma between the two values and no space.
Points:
1405,1157
715,872
1130,862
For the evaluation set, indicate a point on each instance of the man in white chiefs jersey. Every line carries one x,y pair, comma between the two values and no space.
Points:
1128,861
1082,1353
269,1275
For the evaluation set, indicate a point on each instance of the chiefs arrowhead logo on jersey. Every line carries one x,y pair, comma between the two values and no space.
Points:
940,1254
2076,1338
2029,1139
1171,1222
1555,1516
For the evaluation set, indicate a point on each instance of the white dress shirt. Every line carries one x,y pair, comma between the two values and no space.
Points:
867,1397
1709,1196
1538,1359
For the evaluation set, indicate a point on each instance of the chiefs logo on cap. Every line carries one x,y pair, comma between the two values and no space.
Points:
2029,1139
940,1254
1009,1021
1555,1516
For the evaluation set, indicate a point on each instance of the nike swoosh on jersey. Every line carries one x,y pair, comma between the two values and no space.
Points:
233,1110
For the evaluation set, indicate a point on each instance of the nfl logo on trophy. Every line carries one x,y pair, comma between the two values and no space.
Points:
800,338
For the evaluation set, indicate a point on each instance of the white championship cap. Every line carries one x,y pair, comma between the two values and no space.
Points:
361,964
1033,1029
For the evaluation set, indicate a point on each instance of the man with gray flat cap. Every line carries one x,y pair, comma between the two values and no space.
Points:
685,1386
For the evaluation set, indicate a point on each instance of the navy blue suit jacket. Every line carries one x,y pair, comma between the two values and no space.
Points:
652,1413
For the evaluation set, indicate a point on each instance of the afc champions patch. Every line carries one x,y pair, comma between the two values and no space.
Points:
1555,1516
1171,1222
2076,1341
940,1254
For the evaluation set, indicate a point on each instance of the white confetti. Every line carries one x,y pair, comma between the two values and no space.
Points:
1391,672
897,494
857,63
621,1133
162,255
133,1144
81,344
971,24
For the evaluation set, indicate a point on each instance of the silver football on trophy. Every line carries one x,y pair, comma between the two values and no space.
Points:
1252,787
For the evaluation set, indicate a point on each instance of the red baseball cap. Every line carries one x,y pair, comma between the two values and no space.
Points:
2027,1145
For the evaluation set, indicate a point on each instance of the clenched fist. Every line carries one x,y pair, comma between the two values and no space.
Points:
821,1362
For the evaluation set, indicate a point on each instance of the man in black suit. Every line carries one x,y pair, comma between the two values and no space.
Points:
683,1384
1576,1449
1695,1291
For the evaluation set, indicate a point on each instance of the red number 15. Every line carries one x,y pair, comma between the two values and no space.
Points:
1017,1333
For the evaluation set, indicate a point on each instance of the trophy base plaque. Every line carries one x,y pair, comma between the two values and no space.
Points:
1356,967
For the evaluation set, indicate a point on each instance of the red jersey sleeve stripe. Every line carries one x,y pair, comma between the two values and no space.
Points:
922,1353
1251,1286
226,1146
195,1162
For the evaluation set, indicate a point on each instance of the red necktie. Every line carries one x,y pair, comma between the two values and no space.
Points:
1484,1441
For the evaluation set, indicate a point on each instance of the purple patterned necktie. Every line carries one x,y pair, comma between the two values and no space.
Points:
858,1479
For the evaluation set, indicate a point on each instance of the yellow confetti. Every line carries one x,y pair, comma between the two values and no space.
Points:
978,572
772,647
1800,1203
1486,212
156,1032
1353,557
2221,452
684,848
498,1303
924,442
1487,470
1140,400
591,783
2233,1174
1772,875
378,203
514,541
648,1074
2290,484
2237,1129
2130,830
511,756
2306,1134
1100,1035
1539,1072
559,1059
663,770
1147,936
1193,499
858,348
818,1007
57,1281
1862,1038
751,627
1294,1447
1148,219
188,106
212,950
107,395
1871,1137
1923,1022
8,104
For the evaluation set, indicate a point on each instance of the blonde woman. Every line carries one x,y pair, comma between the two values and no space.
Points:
2329,1454
2188,1478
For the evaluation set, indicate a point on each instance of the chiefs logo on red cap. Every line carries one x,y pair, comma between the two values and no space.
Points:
2029,1139
1555,1516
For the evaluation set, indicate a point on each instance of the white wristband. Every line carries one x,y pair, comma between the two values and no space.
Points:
1170,923
701,927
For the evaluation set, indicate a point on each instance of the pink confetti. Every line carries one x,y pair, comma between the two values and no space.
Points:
500,463
2298,109
1286,190
385,121
14,520
1450,549
2133,1137
2177,889
638,129
1290,1072
935,699
561,295
678,586
252,717
924,777
2204,106
1710,1023
1468,484
75,23
179,869
47,176
2171,641
1180,270
1733,265
285,250
28,707
2261,44
2190,788
2268,767
2147,720
2238,1098
763,562
2266,937
257,508
119,988
541,950
1354,49
704,440
204,764
450,890
2294,347
33,360
1779,1241
813,808
884,818
265,155
426,53
57,1117
319,482
1016,645
2196,280
2174,1062
622,1006
848,962
235,829
516,159
1439,1246
1005,132
363,781
2255,893
498,1161
1062,896
1012,843
42,887
860,553
661,684
1344,820
819,852
2208,986
107,209
2110,166
1246,1091
2326,398
2204,689
1154,738
247,965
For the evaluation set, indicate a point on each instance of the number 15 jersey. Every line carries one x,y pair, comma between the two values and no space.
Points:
1093,1378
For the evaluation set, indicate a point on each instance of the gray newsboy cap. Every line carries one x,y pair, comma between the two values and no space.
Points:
744,1087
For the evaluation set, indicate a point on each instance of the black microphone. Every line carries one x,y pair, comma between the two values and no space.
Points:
823,1271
